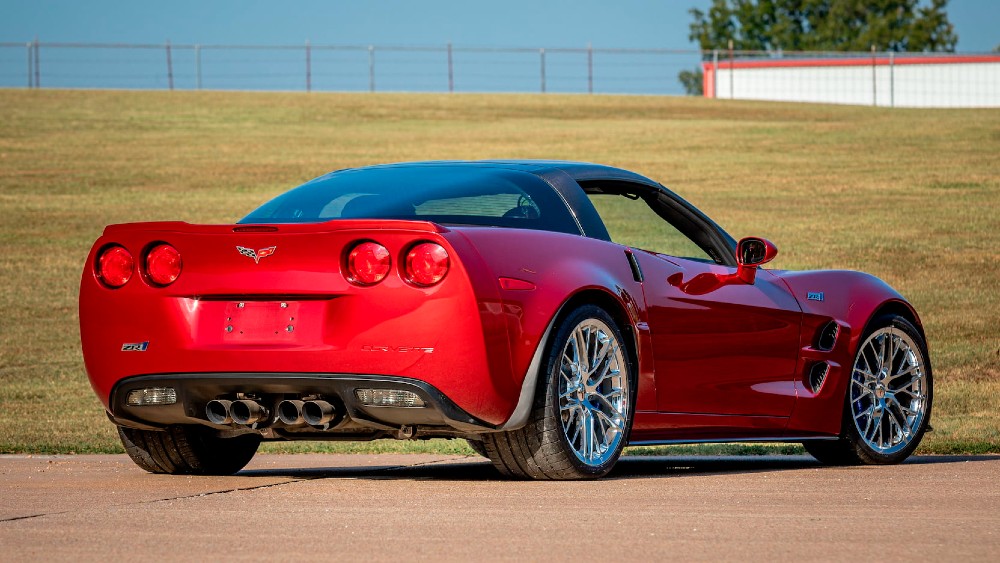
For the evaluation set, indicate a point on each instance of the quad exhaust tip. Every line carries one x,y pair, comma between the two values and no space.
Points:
247,412
319,414
290,412
244,412
217,411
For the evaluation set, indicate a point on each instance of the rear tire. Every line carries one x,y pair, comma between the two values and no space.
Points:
582,413
188,450
887,407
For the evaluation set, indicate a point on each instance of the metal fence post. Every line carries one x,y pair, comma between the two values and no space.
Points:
590,69
38,72
874,79
892,79
27,48
308,67
371,68
715,73
541,55
451,71
170,68
197,65
732,70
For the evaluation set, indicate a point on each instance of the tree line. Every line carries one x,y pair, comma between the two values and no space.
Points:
819,25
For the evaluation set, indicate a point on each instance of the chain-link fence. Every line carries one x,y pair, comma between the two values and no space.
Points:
381,68
884,79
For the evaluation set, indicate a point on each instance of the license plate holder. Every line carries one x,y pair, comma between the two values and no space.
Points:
260,321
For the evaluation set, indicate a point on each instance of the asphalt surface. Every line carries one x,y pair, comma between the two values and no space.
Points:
424,507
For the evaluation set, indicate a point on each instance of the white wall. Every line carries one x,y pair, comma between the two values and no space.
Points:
975,84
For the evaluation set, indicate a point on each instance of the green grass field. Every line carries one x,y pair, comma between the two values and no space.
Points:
912,196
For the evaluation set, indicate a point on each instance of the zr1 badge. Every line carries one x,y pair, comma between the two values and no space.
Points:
135,346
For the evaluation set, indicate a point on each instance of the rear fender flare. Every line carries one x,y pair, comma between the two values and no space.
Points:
529,386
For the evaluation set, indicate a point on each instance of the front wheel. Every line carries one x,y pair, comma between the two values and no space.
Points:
583,411
889,396
188,450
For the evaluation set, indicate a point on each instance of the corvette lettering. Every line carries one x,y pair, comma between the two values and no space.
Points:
257,255
372,348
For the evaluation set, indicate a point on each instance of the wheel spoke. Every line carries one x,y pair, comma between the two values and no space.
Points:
909,385
881,354
867,371
894,344
605,400
907,412
580,348
904,430
614,422
868,423
588,434
869,376
605,362
864,388
578,426
876,424
901,373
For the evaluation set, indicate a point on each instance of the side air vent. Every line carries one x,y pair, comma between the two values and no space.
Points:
634,265
817,375
827,336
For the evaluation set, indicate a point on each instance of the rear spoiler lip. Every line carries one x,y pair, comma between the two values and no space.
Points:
334,225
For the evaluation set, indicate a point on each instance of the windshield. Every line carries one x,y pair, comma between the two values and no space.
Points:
456,195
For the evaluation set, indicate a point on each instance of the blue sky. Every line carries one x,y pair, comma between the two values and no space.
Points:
528,23
607,24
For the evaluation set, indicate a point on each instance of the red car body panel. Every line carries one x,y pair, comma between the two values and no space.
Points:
852,299
717,358
337,326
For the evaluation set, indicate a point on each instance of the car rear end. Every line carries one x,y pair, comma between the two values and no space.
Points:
346,328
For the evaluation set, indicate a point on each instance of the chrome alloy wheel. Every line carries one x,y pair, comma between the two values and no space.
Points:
593,392
888,390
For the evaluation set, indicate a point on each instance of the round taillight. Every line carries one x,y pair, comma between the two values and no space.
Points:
114,266
426,264
163,264
368,263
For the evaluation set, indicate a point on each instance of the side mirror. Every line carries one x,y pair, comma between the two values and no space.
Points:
750,253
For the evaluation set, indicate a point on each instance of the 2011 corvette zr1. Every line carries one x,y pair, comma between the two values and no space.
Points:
488,301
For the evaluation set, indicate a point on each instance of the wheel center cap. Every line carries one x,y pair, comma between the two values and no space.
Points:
880,392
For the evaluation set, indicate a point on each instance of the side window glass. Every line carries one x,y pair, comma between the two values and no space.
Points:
633,223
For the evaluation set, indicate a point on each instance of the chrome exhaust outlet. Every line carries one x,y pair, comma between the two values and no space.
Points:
319,414
290,412
217,411
247,412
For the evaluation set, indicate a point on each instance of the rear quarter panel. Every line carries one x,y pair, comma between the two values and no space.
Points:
561,266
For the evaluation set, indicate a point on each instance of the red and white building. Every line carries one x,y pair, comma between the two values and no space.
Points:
885,79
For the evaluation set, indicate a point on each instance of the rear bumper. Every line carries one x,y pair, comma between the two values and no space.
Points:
194,391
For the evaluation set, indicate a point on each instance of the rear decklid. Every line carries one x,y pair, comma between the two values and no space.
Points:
275,299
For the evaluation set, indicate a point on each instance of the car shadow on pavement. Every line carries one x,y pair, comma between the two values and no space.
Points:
629,467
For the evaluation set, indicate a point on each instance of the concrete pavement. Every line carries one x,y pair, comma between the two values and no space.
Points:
430,507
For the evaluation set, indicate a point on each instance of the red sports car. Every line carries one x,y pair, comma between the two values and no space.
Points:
524,306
